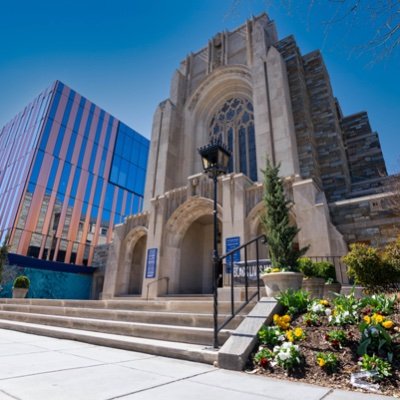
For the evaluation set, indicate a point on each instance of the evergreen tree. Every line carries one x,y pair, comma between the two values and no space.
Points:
280,234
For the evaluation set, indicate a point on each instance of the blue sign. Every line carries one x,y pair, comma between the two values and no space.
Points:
232,243
151,264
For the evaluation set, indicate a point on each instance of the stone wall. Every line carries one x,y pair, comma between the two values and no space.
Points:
363,148
369,219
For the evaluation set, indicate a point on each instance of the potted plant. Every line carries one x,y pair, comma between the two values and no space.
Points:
328,272
280,234
20,287
313,282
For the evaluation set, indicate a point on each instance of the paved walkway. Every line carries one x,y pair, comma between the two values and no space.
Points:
42,368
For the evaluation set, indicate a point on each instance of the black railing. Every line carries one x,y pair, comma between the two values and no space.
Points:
244,274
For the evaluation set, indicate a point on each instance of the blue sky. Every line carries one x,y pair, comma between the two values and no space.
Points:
122,54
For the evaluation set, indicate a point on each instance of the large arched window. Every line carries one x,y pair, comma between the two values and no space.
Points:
233,123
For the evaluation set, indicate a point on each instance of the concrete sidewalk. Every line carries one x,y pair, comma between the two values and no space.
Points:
42,368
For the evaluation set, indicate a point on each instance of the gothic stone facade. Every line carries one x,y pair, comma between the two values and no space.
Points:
263,98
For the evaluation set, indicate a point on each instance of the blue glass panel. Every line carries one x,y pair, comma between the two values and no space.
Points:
62,187
46,133
108,133
94,213
89,121
97,193
108,201
105,218
135,150
84,210
75,183
54,105
31,187
114,173
119,200
99,127
103,161
123,172
128,204
88,188
36,166
119,147
136,203
71,146
128,144
139,182
93,157
82,151
53,173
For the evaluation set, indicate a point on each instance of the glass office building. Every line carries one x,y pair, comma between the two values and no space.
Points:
69,172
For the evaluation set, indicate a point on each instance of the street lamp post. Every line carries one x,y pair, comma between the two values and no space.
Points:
215,158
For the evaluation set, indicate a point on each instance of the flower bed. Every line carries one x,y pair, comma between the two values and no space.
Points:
343,343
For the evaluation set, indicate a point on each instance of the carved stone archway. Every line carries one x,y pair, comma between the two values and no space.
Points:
187,250
131,265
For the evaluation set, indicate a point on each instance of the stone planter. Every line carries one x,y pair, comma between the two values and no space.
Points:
19,293
331,289
315,286
276,282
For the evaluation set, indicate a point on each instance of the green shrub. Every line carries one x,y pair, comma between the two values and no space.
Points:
306,266
294,301
375,271
380,367
318,269
22,282
325,270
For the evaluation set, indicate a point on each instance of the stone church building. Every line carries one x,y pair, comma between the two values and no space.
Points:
263,98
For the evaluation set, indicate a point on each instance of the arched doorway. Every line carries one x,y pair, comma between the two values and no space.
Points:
131,268
186,255
196,269
137,267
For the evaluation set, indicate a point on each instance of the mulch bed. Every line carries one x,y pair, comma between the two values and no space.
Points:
315,341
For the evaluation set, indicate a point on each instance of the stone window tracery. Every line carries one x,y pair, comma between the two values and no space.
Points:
233,123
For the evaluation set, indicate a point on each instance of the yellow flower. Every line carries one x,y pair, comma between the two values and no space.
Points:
298,333
388,324
286,318
275,270
276,318
289,336
377,319
324,302
321,361
367,319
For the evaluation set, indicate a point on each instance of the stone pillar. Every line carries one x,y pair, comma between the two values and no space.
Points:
313,219
151,286
234,205
113,258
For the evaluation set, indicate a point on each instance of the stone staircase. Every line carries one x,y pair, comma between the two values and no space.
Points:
178,327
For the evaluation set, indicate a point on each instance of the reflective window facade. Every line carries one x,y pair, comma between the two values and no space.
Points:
78,172
233,123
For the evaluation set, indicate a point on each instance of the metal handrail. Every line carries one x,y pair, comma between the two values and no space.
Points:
157,280
229,255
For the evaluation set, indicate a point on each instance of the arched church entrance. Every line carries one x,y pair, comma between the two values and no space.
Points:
188,244
196,269
131,270
137,267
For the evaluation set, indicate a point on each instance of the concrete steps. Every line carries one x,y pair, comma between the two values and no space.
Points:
184,351
135,324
